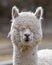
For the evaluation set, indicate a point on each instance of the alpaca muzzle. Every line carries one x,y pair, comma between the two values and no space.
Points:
27,37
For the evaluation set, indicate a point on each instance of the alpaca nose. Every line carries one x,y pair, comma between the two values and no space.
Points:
27,37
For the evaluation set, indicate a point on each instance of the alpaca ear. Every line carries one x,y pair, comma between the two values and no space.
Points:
39,13
15,12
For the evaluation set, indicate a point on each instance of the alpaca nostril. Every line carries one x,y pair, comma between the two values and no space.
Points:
27,35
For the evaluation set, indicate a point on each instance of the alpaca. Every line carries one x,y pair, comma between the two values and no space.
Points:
26,34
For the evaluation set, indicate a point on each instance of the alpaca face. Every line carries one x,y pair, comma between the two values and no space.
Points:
25,28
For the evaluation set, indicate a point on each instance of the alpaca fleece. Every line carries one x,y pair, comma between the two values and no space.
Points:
26,34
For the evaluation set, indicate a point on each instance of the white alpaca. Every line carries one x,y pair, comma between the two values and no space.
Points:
26,34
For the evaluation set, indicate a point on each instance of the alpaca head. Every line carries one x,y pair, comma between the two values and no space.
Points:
26,27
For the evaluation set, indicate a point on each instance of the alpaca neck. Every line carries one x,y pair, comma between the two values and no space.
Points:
25,58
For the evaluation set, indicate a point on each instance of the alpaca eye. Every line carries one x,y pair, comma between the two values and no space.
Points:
32,30
23,28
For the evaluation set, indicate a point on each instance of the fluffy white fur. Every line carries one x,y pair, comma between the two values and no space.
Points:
45,57
25,47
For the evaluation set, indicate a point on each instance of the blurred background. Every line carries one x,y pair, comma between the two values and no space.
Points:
5,23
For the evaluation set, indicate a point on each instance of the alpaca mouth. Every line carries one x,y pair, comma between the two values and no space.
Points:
27,39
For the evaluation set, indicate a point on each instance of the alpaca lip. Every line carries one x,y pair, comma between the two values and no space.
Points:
26,39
